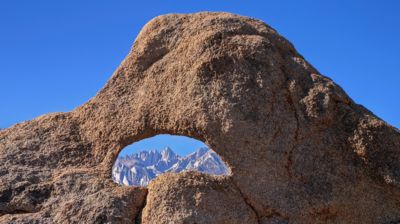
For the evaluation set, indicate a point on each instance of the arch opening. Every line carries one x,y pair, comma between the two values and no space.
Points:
141,162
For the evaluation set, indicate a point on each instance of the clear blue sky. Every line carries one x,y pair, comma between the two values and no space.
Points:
55,55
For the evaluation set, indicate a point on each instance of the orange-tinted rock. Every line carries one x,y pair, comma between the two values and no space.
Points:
196,198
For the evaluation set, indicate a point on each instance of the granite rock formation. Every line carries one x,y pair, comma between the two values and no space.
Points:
300,150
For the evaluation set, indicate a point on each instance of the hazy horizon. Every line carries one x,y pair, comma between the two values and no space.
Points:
129,152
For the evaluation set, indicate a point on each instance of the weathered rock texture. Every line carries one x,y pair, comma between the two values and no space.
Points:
300,150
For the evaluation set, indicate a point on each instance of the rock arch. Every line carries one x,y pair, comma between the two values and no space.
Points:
141,162
299,148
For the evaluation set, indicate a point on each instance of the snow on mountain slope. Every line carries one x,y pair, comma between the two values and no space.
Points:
140,168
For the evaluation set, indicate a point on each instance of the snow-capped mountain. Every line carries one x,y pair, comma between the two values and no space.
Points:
140,168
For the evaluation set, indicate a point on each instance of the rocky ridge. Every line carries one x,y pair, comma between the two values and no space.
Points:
140,168
299,149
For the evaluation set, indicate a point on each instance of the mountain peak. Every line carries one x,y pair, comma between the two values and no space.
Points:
167,150
140,168
167,154
202,150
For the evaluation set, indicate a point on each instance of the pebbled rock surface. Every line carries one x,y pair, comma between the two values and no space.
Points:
196,198
300,150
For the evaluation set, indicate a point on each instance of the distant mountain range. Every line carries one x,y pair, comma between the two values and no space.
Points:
140,168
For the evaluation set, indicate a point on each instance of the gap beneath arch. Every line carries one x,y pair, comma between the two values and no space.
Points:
142,161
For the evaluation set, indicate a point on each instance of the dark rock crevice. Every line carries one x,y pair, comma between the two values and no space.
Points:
247,201
294,145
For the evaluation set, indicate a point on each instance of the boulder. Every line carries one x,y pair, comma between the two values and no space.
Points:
299,149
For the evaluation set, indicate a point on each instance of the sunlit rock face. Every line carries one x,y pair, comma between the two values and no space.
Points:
299,149
140,168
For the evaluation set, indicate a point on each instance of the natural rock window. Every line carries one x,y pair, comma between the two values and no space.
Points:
142,161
